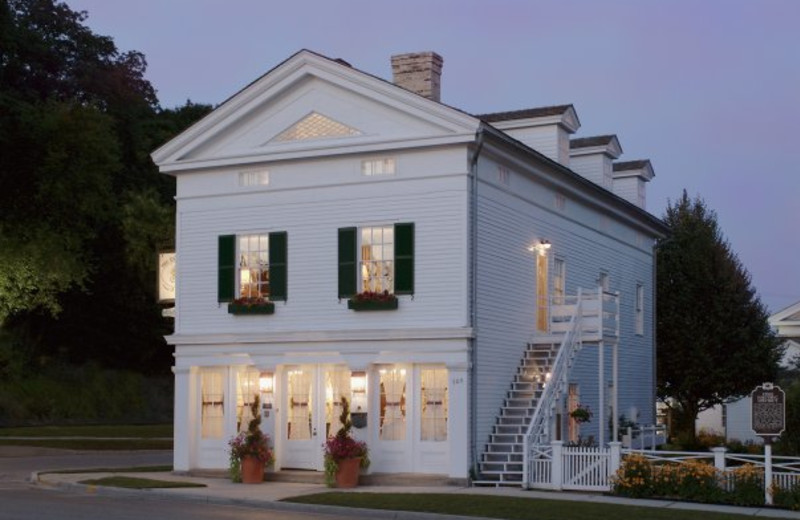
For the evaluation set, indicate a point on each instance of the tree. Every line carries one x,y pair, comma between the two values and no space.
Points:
714,340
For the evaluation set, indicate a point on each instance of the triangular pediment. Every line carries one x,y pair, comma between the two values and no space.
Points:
315,126
786,322
309,106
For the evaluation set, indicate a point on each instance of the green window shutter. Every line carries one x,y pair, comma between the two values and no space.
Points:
347,262
278,274
226,268
404,258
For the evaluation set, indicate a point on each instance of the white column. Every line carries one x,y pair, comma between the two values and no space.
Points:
768,472
616,457
719,458
557,468
601,385
615,393
458,420
183,425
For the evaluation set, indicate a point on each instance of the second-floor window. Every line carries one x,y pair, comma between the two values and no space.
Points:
376,265
639,309
377,259
252,266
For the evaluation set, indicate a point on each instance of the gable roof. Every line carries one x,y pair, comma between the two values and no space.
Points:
243,128
787,321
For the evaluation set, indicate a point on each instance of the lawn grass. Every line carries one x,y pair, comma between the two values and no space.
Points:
139,483
510,508
132,469
92,444
92,437
146,431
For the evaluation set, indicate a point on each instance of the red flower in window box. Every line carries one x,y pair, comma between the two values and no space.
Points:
251,305
372,301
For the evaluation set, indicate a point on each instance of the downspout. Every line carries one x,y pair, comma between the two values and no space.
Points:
473,317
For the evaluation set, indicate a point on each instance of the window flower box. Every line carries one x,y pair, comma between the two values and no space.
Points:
373,301
251,306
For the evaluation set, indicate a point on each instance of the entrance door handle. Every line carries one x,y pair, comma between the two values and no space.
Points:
314,433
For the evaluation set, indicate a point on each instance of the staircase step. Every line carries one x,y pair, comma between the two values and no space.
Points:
512,457
494,447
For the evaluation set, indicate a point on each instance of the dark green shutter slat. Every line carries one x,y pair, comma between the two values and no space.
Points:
404,258
278,274
226,264
347,262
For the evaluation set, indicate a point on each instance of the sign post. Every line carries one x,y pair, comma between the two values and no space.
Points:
768,420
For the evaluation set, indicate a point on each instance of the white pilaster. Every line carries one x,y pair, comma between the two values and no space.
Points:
458,420
184,425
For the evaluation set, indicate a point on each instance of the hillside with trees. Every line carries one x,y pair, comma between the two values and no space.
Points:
84,212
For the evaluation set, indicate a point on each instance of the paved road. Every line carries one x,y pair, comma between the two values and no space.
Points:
17,462
44,504
21,500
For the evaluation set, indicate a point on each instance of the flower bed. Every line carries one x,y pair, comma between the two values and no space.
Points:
695,481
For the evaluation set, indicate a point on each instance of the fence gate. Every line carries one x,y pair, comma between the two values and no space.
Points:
585,469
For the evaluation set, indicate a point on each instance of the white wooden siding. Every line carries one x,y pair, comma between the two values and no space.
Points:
512,218
311,207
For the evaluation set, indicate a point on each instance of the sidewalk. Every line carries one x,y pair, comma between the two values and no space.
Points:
269,494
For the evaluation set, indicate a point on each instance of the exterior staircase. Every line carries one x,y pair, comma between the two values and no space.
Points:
526,417
502,461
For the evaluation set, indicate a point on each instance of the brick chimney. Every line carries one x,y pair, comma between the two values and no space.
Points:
419,72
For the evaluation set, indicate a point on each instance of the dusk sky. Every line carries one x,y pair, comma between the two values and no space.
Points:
709,91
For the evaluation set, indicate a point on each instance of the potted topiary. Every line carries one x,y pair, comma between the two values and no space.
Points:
344,455
249,451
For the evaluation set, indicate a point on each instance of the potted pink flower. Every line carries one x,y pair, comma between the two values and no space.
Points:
345,456
249,450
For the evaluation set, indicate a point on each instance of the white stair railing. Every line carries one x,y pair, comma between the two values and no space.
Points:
538,432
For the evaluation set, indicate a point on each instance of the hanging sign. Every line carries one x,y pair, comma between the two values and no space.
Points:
166,277
768,410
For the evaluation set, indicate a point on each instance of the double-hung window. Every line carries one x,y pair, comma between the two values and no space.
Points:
252,266
376,259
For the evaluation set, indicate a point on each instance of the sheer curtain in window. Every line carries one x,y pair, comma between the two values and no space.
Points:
393,396
213,408
299,404
434,404
246,391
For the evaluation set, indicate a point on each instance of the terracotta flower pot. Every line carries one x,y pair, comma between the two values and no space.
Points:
252,470
347,474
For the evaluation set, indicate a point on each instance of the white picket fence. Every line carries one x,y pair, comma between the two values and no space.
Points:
590,469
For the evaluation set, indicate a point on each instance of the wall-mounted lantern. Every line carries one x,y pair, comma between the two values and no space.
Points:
358,402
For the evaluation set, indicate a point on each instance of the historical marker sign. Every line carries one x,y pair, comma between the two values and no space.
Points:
768,412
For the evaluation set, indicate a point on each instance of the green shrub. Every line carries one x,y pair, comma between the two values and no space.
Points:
84,394
747,486
787,498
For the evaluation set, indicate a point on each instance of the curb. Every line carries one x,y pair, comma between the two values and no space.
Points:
162,494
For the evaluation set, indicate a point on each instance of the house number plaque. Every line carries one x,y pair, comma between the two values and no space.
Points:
768,410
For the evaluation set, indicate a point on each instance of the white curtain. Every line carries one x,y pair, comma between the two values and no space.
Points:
434,404
337,386
299,405
393,392
213,410
246,391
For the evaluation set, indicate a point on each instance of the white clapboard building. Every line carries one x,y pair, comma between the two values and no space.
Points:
494,242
